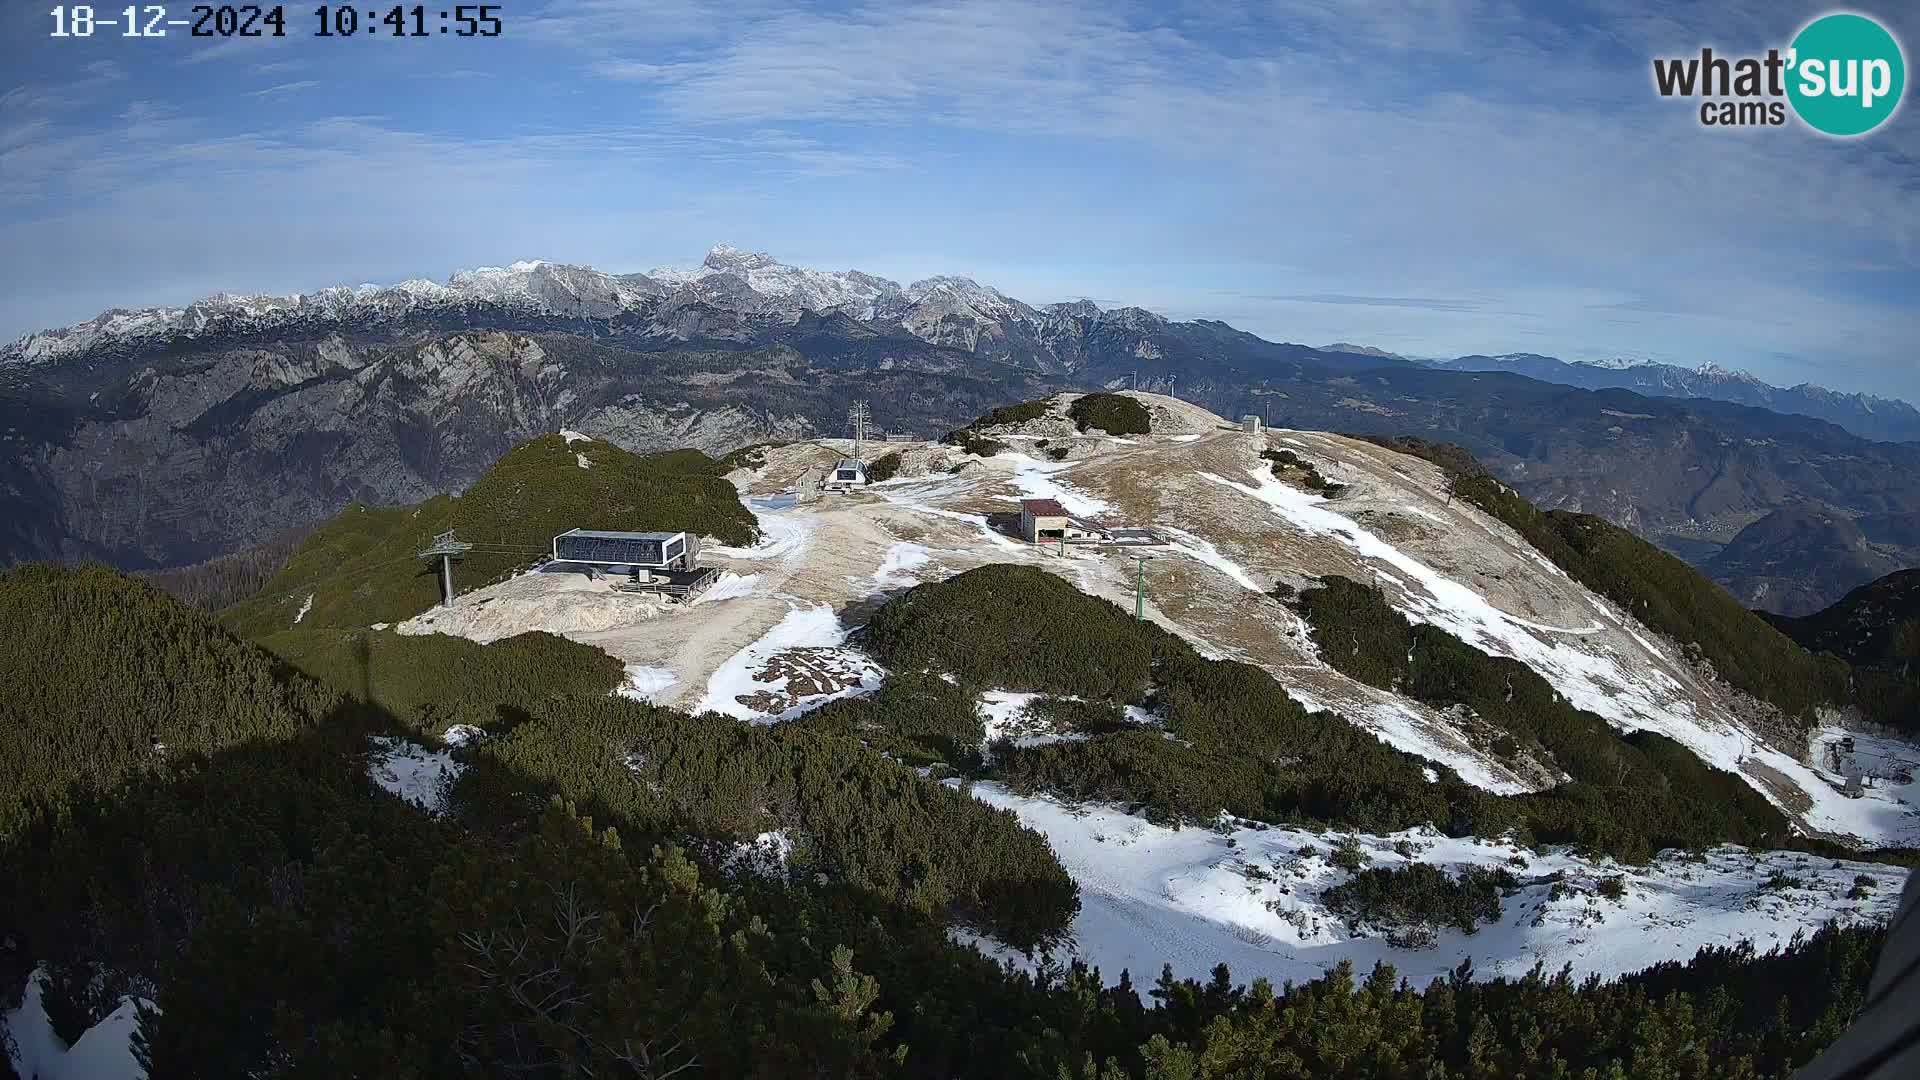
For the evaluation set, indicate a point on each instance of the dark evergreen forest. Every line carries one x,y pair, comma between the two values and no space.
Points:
187,818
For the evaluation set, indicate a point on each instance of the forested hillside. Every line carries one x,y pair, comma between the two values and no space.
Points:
1659,590
284,917
1227,737
359,568
1876,629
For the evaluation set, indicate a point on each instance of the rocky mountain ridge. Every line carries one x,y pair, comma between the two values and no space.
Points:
168,436
753,290
1870,417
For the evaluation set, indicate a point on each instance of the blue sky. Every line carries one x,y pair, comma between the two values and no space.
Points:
1431,176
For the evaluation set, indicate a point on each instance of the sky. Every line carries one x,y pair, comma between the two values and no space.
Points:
1433,177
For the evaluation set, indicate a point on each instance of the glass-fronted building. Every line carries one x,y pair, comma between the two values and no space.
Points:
656,550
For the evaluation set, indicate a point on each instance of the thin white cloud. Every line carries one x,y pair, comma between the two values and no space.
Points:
284,89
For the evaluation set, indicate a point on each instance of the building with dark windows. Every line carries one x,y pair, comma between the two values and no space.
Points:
642,550
850,473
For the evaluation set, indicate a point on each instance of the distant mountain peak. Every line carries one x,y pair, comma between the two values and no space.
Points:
726,257
1885,419
1360,350
1712,370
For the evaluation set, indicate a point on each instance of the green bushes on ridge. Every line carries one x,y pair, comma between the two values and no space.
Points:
884,467
1671,597
971,441
1235,741
360,569
107,678
1238,742
1012,414
918,719
1115,414
872,824
432,681
1421,896
1288,465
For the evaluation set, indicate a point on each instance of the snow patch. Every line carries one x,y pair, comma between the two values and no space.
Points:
1247,897
766,855
1003,715
305,606
1037,480
582,460
902,558
728,586
574,436
103,1052
462,734
645,683
412,771
1598,683
815,628
1204,551
785,535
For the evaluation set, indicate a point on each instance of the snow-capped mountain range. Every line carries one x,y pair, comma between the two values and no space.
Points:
753,291
1884,419
943,310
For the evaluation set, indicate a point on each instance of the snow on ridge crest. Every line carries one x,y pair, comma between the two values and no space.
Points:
751,282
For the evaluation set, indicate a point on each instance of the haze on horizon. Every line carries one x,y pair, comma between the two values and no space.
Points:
1433,177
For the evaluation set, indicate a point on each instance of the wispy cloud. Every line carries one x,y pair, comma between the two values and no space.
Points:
1423,303
212,51
284,88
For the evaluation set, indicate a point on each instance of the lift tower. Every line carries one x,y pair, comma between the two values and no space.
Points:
446,549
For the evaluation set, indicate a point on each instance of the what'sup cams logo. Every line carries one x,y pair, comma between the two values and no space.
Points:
1843,75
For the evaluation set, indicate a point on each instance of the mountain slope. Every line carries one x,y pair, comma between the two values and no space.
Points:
1876,628
906,617
1792,561
254,899
169,436
1877,418
772,638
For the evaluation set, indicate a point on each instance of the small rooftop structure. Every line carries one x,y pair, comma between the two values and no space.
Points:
848,474
649,550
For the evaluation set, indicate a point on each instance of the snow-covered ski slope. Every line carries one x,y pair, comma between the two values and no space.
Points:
772,637
774,641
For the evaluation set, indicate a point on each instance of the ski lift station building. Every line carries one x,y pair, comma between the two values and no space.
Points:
642,550
850,473
1044,520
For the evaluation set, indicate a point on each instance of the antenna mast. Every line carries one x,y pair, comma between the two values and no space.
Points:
858,416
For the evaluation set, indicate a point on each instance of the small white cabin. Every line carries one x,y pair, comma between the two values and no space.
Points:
850,473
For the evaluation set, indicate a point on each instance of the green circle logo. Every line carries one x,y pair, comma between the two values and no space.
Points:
1846,74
